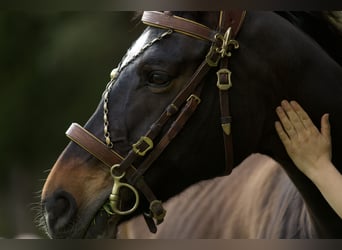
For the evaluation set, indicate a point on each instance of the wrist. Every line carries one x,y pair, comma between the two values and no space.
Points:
318,172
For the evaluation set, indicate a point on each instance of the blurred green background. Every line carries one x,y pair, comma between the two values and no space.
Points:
54,67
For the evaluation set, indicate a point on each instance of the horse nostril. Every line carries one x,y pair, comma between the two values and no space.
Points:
59,211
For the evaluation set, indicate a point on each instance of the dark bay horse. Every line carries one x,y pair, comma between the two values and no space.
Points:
270,60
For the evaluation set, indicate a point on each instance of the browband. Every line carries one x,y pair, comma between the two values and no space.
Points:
192,28
179,24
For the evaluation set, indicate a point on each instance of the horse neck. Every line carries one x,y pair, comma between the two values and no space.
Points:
325,27
282,60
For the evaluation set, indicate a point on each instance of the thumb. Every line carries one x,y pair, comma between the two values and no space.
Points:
325,126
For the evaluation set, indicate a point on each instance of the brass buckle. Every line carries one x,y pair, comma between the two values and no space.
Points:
212,58
216,53
143,139
224,86
195,97
114,198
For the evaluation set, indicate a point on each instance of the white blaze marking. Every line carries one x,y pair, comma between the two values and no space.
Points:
136,48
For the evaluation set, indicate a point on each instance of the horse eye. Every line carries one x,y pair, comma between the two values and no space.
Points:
156,79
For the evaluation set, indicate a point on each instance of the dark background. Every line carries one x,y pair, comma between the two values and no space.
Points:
54,67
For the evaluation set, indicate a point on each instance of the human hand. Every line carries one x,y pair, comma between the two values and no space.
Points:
309,148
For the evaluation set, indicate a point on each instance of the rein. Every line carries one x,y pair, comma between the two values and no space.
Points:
182,107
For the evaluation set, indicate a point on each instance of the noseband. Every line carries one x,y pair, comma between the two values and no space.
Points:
180,109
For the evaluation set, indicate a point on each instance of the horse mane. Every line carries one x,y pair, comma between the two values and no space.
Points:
325,27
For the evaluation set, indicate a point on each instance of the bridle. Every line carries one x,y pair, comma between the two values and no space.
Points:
146,149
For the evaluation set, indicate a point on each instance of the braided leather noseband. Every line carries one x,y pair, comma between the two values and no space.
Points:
183,105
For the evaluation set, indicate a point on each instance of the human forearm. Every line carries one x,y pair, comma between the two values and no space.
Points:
329,182
310,150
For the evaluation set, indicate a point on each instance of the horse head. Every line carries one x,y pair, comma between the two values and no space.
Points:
139,98
164,122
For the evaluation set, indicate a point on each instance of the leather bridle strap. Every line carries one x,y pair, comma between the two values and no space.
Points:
230,23
234,20
93,145
97,148
171,110
231,20
178,24
187,111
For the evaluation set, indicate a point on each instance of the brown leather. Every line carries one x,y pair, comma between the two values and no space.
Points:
234,19
93,145
97,148
178,101
174,129
226,119
102,152
178,24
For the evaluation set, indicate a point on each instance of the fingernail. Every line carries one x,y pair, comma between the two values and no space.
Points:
284,102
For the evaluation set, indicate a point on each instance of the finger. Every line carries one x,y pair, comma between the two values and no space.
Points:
325,126
286,123
303,116
282,134
293,116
